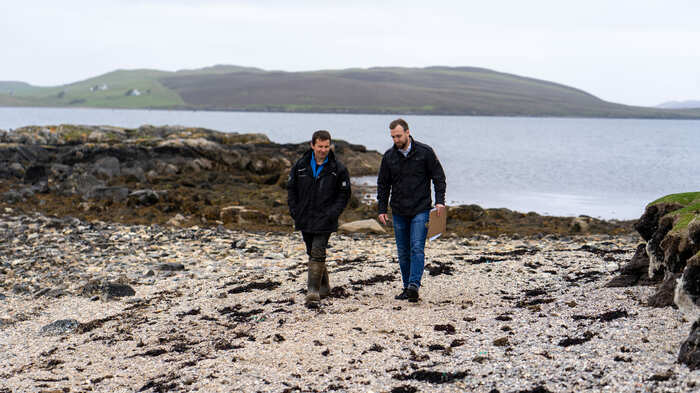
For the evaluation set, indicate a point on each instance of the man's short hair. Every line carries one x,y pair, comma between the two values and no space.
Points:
399,122
322,135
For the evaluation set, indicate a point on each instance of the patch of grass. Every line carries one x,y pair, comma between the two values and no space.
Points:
685,216
684,198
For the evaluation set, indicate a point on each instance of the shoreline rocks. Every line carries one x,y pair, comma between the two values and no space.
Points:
194,176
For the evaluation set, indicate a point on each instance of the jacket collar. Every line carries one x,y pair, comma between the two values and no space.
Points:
410,152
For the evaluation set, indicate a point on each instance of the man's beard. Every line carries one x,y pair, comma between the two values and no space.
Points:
402,146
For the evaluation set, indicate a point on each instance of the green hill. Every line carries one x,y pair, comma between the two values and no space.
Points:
431,90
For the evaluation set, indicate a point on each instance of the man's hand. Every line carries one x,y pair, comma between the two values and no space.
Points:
383,218
440,208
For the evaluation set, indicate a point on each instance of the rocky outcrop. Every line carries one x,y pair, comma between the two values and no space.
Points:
671,229
473,218
152,174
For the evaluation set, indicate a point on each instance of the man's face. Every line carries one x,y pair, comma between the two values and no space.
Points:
400,137
321,149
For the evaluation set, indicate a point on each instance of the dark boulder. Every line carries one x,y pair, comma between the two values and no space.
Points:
106,168
636,271
664,293
116,194
648,223
689,353
57,328
143,197
687,295
35,173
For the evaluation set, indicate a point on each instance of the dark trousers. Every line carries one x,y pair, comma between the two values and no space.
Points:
316,244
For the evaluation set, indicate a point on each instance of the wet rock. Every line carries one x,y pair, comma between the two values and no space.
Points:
116,194
664,293
59,171
12,197
106,290
134,173
648,223
661,377
687,292
35,174
362,226
501,342
16,169
635,272
59,327
689,353
106,168
144,197
171,266
20,289
112,290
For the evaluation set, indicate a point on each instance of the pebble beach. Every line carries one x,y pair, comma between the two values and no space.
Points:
94,306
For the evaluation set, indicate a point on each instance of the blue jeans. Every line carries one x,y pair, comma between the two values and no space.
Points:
410,233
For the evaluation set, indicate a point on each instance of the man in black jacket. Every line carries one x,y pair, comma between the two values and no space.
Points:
318,190
405,173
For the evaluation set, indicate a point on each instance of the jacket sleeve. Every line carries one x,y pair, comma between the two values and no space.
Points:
342,192
292,200
437,174
383,186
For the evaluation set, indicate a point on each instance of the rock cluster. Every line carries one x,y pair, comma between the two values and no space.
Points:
192,176
670,258
211,309
151,174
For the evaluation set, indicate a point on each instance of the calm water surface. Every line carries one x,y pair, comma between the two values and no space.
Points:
607,168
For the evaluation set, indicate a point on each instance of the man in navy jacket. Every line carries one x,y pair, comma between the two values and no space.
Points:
405,173
318,190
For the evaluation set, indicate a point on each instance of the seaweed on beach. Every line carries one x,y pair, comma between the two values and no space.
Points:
436,377
437,268
584,277
604,317
267,285
374,280
599,251
239,316
569,341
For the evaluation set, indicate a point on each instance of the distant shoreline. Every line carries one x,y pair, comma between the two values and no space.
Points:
187,109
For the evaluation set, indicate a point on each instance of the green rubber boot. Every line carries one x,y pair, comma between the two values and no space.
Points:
325,288
314,282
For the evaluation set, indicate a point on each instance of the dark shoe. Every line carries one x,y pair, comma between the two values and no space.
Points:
314,282
412,293
402,295
325,288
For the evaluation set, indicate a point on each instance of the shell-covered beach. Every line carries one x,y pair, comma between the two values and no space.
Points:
219,310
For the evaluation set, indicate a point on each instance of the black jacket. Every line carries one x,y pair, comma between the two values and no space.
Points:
316,204
408,180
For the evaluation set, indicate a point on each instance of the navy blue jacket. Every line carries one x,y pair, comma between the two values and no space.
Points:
316,204
407,179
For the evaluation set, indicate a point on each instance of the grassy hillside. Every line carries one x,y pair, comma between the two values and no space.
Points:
432,90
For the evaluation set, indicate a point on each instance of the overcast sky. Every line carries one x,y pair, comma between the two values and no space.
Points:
640,52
